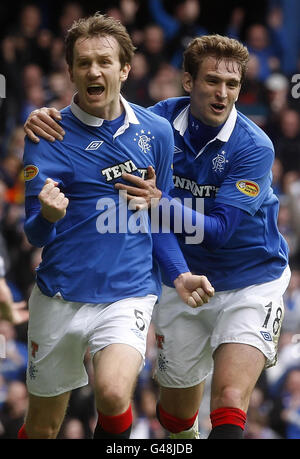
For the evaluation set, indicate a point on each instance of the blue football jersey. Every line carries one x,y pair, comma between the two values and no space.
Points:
101,252
234,168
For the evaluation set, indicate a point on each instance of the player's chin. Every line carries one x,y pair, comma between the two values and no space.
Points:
95,99
218,117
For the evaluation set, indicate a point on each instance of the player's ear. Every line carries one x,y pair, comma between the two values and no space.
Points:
125,72
187,82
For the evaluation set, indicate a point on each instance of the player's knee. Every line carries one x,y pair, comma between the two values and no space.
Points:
113,398
38,425
229,396
37,431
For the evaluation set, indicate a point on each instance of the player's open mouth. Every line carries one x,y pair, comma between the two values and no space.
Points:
95,89
218,107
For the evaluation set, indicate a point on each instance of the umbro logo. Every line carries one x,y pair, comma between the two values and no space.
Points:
94,145
266,336
177,150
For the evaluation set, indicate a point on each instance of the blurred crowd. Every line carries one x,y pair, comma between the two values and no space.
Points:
32,61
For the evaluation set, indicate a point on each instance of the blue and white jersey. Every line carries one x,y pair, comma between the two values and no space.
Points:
233,169
85,262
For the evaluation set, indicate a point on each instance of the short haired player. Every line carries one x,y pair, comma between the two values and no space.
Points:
97,282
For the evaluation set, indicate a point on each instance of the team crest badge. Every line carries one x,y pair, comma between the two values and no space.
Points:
162,363
219,162
32,370
143,139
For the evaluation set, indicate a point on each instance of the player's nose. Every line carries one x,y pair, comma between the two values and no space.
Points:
94,71
222,91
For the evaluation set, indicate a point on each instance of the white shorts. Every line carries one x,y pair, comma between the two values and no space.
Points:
60,332
187,338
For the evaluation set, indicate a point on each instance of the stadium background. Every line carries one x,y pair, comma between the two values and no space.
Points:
32,61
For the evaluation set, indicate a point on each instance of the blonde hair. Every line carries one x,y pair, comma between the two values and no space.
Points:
100,25
216,46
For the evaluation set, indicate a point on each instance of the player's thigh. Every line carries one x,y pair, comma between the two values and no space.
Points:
182,403
56,340
45,414
124,322
237,368
116,368
117,342
252,315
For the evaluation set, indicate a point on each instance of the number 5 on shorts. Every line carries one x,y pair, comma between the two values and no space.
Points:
139,320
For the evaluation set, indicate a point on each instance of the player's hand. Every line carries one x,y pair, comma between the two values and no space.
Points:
53,201
194,290
143,194
41,122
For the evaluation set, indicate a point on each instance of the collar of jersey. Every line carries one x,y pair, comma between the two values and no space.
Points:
181,123
92,120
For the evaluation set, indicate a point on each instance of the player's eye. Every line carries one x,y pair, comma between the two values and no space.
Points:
233,84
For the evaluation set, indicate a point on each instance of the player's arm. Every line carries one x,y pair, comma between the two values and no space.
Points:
251,168
219,225
193,290
231,203
43,122
43,213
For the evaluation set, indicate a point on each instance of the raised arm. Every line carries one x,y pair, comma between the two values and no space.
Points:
43,213
44,123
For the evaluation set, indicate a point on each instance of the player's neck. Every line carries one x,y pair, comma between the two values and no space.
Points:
197,126
109,112
200,133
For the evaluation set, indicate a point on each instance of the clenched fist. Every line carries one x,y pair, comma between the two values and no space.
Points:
53,201
194,290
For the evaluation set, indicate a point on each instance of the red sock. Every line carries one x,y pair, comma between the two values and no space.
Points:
228,415
22,435
173,424
116,424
